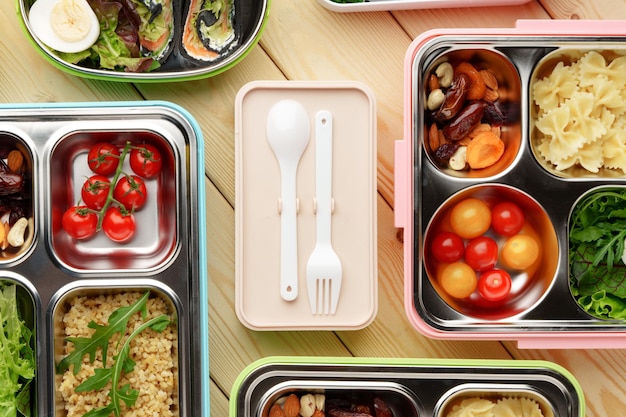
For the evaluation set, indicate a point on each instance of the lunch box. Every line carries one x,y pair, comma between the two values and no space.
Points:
404,387
542,310
166,257
347,162
380,5
178,65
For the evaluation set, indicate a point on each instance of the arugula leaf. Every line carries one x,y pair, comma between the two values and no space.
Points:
117,323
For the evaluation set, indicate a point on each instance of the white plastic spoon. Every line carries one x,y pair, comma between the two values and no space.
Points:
288,130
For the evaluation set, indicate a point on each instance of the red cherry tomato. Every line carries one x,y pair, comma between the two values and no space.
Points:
95,191
494,285
481,253
507,218
447,247
145,160
103,158
117,225
130,191
79,222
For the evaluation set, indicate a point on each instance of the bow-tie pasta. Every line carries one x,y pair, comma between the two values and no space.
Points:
580,109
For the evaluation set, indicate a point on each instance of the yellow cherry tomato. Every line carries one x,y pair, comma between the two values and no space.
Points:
470,218
520,252
458,280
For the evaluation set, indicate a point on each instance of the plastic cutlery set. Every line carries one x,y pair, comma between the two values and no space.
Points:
305,206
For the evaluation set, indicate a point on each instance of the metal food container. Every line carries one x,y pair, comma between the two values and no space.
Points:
176,62
541,309
404,387
378,5
164,262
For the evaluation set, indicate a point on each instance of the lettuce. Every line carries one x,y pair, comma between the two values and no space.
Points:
17,359
597,234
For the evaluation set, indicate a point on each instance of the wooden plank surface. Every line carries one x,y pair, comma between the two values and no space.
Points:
304,41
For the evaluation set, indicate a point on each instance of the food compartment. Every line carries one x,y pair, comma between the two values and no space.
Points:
17,225
472,112
153,208
578,113
332,398
491,252
125,340
496,400
18,309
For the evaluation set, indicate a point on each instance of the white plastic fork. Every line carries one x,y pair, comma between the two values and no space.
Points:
323,270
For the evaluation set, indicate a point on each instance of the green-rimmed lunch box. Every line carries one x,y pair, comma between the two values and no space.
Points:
143,40
311,386
93,307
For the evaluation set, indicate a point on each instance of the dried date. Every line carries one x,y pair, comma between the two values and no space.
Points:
454,99
465,121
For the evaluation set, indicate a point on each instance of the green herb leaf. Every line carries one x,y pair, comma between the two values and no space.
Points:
117,323
100,412
97,381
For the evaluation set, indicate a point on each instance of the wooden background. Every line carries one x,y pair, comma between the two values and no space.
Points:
304,41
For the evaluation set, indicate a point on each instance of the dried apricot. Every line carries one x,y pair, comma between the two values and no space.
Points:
484,150
477,87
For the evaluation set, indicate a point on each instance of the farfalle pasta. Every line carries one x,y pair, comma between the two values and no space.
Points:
580,110
503,407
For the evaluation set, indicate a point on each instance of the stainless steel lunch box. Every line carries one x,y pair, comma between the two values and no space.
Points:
166,257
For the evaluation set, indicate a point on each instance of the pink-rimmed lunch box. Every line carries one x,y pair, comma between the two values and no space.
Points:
552,301
380,5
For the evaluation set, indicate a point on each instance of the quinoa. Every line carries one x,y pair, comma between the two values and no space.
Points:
155,373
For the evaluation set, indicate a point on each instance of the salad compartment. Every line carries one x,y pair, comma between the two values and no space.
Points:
163,261
409,387
533,59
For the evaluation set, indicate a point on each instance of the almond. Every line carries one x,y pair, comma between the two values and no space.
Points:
276,411
15,159
291,408
489,79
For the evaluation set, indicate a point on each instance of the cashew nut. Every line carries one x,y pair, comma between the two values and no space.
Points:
458,159
320,400
445,73
307,405
435,99
16,233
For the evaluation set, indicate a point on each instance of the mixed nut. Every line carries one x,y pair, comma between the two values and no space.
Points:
317,405
462,118
15,200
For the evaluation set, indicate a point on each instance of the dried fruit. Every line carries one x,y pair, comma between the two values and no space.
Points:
454,99
484,150
15,160
477,86
465,121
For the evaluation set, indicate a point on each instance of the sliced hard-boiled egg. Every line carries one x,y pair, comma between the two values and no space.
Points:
64,25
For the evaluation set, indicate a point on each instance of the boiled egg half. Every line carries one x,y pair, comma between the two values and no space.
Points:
64,25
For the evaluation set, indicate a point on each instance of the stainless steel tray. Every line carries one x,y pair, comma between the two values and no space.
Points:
168,259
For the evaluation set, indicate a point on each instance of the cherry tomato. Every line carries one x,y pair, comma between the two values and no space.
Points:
95,191
507,218
79,222
520,252
145,160
130,191
447,247
481,253
470,218
494,285
458,279
103,158
117,225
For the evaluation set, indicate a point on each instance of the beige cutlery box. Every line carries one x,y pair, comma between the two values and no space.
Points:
259,304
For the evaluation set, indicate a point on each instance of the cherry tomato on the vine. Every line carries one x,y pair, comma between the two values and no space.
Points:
79,222
145,160
494,285
103,158
95,191
470,218
447,247
507,218
481,253
131,192
117,225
